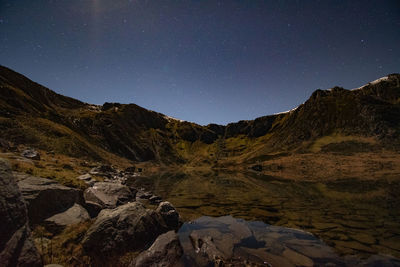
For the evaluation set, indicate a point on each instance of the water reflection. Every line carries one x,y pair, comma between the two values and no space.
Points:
355,217
208,240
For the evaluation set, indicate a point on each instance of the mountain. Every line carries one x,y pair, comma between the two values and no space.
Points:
334,120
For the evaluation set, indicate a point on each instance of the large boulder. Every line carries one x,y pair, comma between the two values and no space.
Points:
109,195
75,214
165,251
125,228
16,245
45,197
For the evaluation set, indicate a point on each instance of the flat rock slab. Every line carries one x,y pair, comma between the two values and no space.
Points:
109,195
75,214
45,197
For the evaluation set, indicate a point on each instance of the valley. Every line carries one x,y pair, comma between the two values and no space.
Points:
330,167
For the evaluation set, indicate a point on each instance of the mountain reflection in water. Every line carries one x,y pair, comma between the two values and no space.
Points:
355,217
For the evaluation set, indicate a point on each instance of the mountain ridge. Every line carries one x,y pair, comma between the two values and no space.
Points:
37,116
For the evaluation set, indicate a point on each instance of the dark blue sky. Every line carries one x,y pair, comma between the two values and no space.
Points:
201,61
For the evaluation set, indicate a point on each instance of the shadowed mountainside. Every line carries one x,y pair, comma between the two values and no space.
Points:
365,119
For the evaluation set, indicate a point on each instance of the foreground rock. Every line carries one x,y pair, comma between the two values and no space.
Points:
45,197
125,228
108,195
75,214
16,246
165,251
169,214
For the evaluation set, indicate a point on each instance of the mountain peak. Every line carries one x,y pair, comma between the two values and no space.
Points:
388,78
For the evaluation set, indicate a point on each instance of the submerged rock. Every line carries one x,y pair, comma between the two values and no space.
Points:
45,197
108,195
127,227
210,241
73,215
211,244
165,251
16,245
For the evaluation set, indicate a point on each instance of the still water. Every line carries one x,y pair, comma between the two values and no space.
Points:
353,217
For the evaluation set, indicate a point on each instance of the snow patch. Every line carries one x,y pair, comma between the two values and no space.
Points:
293,109
172,118
373,82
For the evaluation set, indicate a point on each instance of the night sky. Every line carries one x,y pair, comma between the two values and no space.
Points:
201,61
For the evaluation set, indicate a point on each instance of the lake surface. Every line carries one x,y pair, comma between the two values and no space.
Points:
354,217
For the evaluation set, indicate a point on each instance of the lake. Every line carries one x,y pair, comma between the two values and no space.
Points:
354,217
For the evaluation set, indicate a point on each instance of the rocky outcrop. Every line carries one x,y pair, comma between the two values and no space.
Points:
16,246
75,214
165,251
127,227
45,197
108,195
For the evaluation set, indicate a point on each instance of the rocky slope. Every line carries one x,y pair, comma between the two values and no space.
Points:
33,115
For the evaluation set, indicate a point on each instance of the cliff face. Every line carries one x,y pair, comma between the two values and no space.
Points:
33,115
373,110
